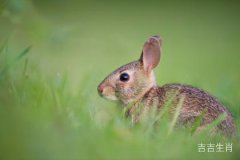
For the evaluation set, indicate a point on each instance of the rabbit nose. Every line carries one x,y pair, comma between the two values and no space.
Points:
100,88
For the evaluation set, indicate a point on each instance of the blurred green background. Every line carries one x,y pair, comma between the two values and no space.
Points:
49,106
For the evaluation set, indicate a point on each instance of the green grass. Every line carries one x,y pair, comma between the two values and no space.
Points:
49,106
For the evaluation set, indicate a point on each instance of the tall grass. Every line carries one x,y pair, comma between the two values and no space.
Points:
49,106
41,119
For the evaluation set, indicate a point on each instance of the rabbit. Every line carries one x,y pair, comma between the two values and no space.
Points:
134,84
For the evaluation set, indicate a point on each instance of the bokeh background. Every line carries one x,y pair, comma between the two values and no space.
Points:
49,106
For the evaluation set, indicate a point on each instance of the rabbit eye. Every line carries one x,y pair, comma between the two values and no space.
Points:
124,77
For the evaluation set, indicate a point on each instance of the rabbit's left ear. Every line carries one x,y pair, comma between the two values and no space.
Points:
151,53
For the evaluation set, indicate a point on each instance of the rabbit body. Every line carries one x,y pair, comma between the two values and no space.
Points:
135,84
195,102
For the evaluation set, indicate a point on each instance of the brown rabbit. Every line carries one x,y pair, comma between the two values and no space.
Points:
134,84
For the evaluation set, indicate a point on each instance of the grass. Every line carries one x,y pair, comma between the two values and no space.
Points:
41,119
49,106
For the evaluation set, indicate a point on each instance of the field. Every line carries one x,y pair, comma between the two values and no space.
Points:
53,55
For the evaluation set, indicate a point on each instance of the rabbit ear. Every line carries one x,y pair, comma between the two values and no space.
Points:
151,53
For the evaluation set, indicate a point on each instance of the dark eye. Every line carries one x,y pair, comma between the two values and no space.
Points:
124,77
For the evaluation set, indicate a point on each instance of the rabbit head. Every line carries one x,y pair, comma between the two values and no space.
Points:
130,82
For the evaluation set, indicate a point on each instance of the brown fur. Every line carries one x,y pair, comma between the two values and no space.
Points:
142,89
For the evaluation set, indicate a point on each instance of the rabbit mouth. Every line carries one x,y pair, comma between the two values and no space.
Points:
110,97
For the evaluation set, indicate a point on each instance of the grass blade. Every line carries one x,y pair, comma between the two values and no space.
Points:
198,122
8,66
176,114
216,122
23,53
